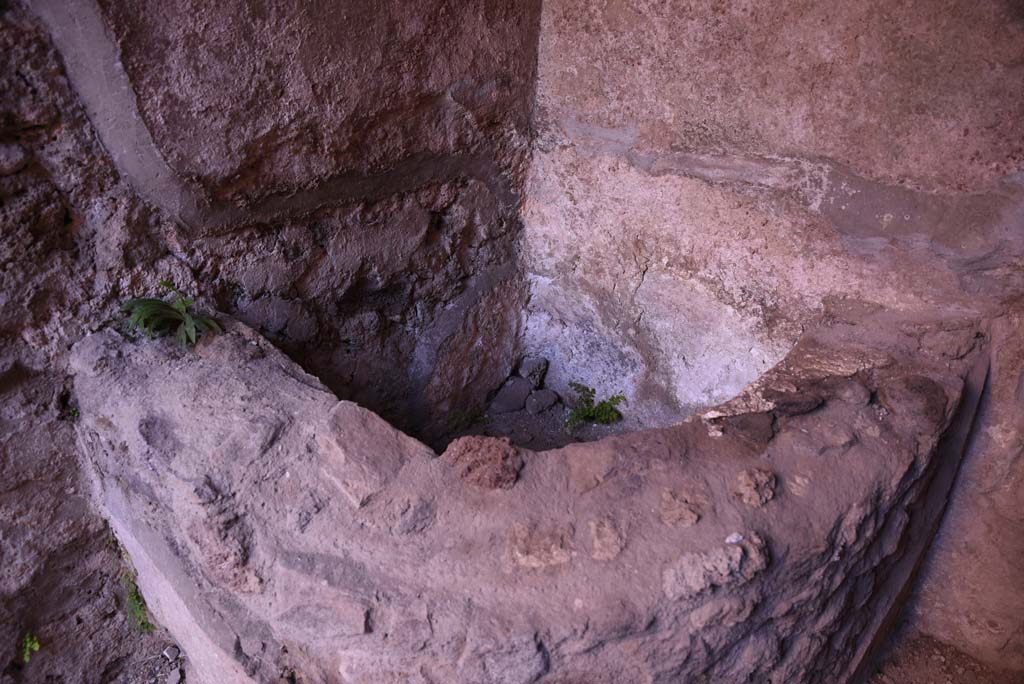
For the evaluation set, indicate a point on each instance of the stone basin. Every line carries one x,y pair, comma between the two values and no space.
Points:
281,533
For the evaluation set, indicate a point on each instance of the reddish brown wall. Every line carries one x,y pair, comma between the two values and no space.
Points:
709,177
344,176
347,183
250,98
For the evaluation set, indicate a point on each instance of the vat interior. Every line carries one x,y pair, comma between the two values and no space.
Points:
659,389
657,214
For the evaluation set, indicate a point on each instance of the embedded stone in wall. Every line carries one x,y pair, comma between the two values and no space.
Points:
488,462
755,486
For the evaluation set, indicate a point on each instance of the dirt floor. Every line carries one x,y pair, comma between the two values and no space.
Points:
917,659
911,659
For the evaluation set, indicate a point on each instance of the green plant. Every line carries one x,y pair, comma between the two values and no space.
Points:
72,414
459,420
29,645
587,411
135,605
157,317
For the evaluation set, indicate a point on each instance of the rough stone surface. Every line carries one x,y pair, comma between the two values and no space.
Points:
678,510
12,159
733,564
403,82
63,212
238,514
533,368
606,540
704,180
512,396
384,280
363,452
709,178
371,237
755,486
870,85
387,301
919,659
488,462
701,194
541,400
979,553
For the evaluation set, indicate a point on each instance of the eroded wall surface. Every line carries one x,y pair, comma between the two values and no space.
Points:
301,538
342,176
381,255
971,586
710,177
249,99
706,174
704,178
64,212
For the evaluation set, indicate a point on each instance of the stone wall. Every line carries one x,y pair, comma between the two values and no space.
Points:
709,178
707,174
970,587
707,181
381,254
294,536
71,234
344,178
252,99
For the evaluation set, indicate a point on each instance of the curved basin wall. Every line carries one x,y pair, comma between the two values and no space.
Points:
706,177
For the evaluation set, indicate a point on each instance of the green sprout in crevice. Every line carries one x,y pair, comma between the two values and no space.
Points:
29,645
604,412
135,605
157,317
459,420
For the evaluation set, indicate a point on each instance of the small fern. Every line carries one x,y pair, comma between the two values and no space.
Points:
587,411
135,605
157,317
29,645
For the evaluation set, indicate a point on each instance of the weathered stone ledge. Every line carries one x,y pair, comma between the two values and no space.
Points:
277,530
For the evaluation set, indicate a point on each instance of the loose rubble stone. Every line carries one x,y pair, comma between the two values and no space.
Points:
540,401
512,395
533,368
